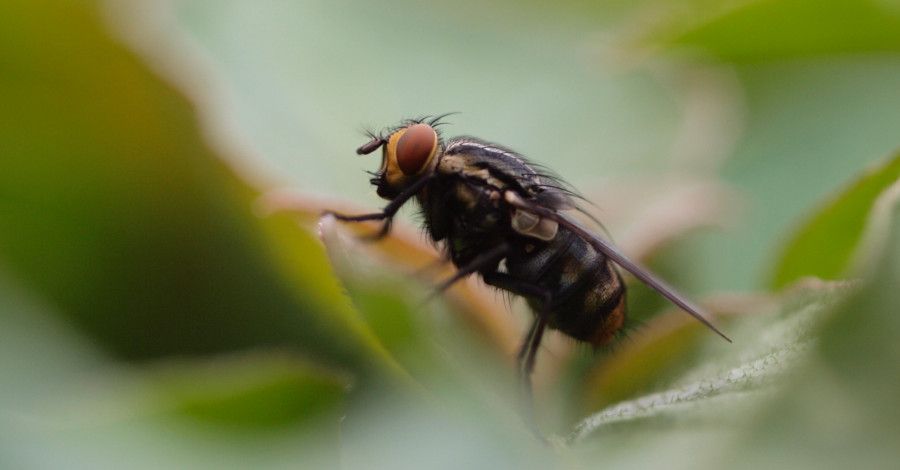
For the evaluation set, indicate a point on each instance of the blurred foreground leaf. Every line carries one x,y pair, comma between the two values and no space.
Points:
405,250
63,405
825,245
248,393
432,341
115,208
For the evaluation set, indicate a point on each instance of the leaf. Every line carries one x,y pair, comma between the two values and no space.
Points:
252,411
255,392
64,404
639,363
812,386
859,342
824,246
437,345
767,348
765,30
403,249
842,409
117,210
309,123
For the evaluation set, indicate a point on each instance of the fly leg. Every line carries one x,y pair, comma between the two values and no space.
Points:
387,214
481,262
528,352
488,259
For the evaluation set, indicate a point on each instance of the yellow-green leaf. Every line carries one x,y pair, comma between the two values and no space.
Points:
824,245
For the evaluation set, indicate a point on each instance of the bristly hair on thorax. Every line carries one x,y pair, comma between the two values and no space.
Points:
434,121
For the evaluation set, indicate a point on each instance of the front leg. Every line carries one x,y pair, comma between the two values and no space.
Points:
358,218
387,214
381,233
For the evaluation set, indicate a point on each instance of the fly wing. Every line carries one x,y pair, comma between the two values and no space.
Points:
614,254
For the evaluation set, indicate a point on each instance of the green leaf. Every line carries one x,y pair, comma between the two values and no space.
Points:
116,208
842,409
765,30
243,412
64,404
251,392
859,341
825,245
812,387
429,338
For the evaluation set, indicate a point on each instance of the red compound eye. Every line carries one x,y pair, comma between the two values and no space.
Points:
414,148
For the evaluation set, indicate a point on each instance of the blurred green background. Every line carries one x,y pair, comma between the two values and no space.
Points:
155,314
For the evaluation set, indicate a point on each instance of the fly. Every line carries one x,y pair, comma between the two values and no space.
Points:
486,204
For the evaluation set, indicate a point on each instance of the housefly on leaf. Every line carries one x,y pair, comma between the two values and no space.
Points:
508,220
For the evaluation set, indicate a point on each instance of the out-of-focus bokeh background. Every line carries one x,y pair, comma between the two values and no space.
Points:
168,299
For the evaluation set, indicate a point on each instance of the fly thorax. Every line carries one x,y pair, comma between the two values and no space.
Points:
466,195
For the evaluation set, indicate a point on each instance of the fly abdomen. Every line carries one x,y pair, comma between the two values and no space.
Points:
587,296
